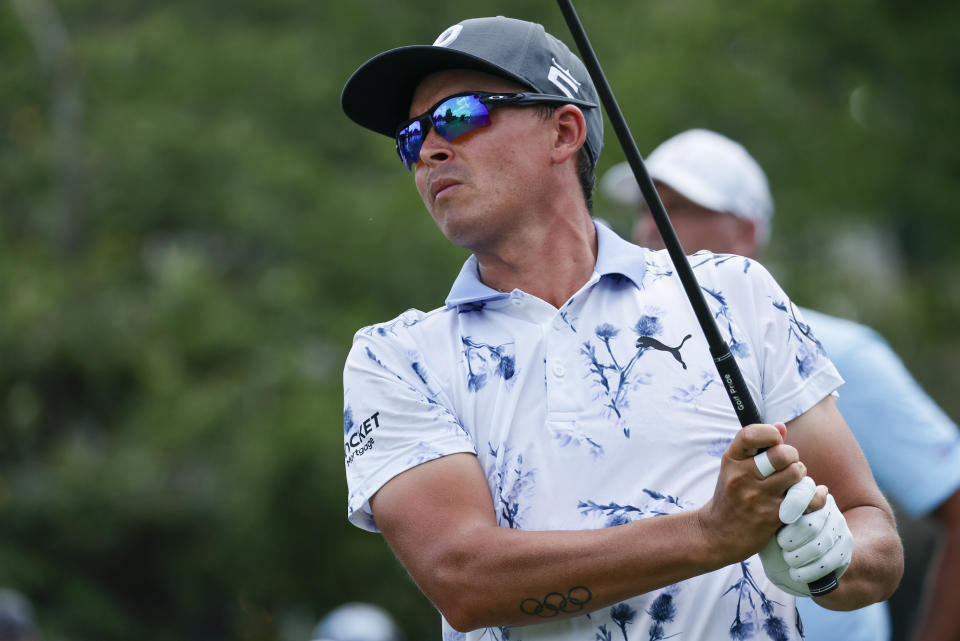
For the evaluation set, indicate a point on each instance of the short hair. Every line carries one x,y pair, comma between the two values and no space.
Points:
585,173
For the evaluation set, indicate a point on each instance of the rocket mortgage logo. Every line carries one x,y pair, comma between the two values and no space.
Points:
359,440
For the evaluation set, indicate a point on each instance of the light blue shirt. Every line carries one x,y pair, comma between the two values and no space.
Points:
912,447
604,411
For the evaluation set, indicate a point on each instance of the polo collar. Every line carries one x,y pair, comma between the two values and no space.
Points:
614,256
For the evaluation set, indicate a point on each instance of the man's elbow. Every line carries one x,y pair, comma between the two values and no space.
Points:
885,574
460,610
894,569
453,586
883,578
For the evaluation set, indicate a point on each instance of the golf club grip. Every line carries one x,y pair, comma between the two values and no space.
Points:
734,383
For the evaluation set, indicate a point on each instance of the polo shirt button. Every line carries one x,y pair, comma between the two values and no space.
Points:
558,370
517,301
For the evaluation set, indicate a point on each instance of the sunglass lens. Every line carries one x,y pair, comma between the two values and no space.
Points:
460,115
409,141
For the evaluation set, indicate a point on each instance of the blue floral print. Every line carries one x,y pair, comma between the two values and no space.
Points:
429,399
483,360
496,634
662,611
449,634
510,483
748,620
616,514
718,446
809,349
422,453
365,516
390,328
619,514
568,319
799,330
569,436
614,380
416,364
649,325
603,634
655,270
692,392
738,346
347,420
707,257
623,615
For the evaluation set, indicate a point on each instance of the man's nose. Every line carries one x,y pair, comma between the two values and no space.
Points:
435,148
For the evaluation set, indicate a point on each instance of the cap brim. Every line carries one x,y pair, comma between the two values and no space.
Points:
378,94
620,185
692,187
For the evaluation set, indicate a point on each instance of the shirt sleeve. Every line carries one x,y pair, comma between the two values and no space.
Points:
912,446
394,418
795,373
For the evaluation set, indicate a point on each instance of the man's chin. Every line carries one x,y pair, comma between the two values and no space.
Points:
471,235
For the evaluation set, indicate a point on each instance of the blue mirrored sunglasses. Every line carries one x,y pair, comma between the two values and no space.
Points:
462,113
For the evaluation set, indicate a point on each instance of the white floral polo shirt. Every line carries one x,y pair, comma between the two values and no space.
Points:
596,414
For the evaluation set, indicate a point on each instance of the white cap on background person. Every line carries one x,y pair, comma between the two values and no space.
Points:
708,169
357,622
16,617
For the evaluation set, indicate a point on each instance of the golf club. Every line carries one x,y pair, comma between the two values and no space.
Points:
743,403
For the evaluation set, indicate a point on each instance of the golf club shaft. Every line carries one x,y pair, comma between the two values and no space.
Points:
730,374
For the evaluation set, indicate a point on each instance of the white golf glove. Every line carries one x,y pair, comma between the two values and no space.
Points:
812,546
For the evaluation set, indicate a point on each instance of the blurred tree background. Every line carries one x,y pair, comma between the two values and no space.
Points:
191,231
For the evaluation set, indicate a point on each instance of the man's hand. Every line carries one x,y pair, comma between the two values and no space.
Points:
811,547
744,513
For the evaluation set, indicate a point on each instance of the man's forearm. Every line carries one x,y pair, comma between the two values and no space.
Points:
877,563
500,576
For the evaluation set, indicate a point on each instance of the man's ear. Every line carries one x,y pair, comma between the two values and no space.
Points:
747,240
571,132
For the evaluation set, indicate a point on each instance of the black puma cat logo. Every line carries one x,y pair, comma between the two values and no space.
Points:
652,343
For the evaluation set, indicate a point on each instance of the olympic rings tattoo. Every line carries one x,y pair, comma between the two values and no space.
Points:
555,603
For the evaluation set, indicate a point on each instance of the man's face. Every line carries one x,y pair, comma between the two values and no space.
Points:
697,227
477,186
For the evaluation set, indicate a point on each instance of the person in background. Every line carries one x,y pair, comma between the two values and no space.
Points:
357,622
16,617
718,199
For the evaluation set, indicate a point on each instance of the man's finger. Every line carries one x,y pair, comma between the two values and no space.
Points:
776,459
752,438
797,499
805,529
819,499
763,464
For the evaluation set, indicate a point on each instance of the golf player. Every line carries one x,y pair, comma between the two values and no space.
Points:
718,199
550,454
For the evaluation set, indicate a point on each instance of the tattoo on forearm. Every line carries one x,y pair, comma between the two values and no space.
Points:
555,603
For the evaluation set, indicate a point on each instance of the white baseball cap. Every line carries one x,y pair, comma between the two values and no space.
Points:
707,168
357,621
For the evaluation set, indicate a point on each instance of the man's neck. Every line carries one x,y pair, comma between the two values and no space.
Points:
550,262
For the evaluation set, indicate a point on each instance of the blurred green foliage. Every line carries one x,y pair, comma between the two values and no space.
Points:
191,231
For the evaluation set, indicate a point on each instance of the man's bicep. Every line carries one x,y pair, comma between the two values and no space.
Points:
833,457
423,511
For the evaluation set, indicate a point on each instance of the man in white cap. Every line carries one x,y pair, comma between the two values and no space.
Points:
16,617
718,199
357,621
